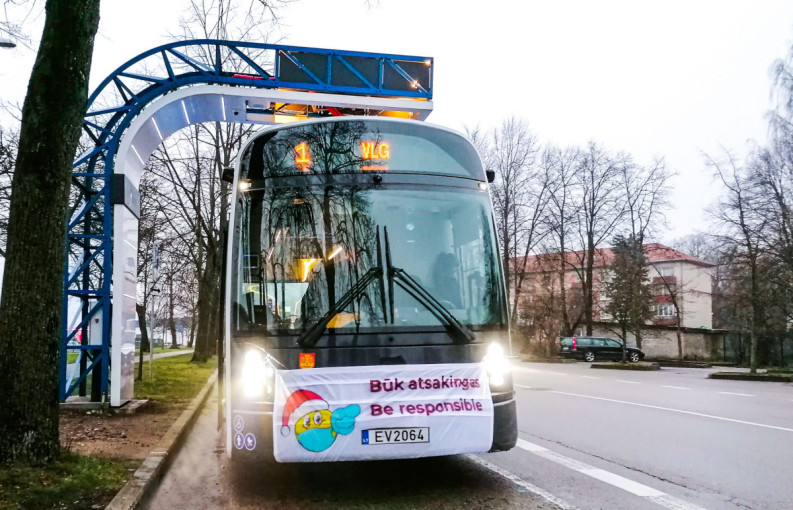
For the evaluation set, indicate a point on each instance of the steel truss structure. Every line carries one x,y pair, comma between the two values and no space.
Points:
345,82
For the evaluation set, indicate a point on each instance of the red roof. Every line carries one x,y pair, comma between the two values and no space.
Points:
655,252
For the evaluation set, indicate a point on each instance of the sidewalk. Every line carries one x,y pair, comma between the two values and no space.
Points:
166,354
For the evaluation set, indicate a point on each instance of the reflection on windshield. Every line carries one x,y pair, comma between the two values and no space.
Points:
300,250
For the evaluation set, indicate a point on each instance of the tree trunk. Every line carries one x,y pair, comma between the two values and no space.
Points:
563,290
782,351
193,326
144,337
30,314
144,333
207,305
171,321
588,286
756,314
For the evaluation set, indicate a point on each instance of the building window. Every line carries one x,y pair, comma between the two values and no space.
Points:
666,310
667,271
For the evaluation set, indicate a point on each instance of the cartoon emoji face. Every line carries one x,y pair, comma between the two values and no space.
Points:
313,420
314,431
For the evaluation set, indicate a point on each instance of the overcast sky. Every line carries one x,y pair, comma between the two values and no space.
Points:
672,78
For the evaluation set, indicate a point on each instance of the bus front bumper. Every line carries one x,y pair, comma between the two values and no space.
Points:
505,422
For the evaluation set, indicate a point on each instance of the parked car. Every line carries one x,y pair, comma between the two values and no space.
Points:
591,348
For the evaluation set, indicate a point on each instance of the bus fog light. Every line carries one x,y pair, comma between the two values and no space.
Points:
496,364
254,373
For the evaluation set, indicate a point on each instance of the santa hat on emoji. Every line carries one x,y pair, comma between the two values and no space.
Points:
300,403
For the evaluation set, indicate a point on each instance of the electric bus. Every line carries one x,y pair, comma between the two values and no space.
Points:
365,307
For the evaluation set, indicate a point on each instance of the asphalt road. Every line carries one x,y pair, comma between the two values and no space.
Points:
589,439
670,438
201,477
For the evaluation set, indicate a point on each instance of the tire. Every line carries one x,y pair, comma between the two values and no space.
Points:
633,357
589,356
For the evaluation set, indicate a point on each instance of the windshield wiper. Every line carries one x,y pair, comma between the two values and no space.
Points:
311,336
458,331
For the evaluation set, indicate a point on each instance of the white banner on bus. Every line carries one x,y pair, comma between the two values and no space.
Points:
378,412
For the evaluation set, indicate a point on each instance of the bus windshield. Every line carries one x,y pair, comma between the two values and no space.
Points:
304,251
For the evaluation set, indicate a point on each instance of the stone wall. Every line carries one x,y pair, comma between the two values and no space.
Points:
662,343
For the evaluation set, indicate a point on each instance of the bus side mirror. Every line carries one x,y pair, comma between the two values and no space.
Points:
228,174
491,175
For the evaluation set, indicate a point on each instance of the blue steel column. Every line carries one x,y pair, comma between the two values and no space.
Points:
107,225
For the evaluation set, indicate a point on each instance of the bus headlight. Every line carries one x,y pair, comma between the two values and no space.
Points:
256,373
496,364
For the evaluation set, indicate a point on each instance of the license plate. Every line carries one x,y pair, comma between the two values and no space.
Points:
396,435
565,348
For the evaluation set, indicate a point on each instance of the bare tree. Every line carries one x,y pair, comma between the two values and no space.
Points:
698,245
31,308
511,154
740,227
602,209
561,217
9,142
675,290
645,193
212,148
534,229
16,17
539,310
150,233
194,201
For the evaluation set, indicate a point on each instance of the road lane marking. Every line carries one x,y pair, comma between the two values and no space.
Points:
521,386
675,387
613,479
564,461
623,483
520,482
736,394
627,382
589,377
522,443
671,502
556,373
722,418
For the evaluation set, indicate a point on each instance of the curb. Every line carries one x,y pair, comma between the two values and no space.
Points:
742,376
683,364
543,360
154,466
642,366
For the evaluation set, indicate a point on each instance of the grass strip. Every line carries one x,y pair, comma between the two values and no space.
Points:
642,366
176,379
73,482
82,482
743,376
158,350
